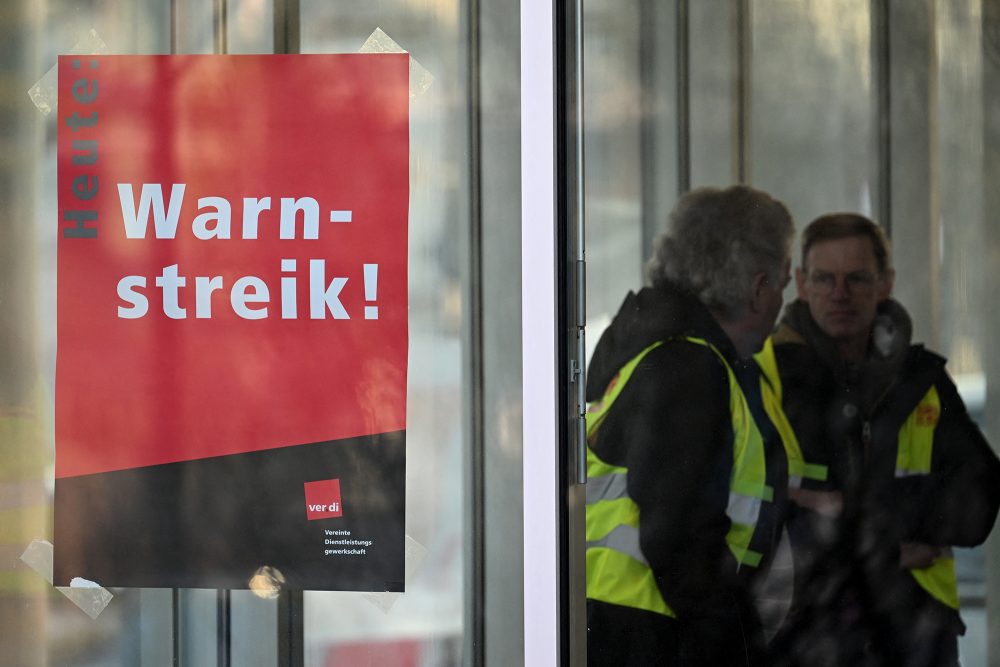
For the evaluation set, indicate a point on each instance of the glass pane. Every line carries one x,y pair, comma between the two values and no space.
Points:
812,136
813,142
250,26
425,626
960,147
43,626
962,329
712,69
614,107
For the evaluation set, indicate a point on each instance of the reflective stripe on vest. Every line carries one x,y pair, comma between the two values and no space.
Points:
915,446
771,395
617,570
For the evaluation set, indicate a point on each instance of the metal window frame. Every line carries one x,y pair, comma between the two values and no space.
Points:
539,338
287,20
473,641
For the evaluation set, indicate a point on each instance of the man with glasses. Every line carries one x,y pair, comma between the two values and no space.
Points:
901,473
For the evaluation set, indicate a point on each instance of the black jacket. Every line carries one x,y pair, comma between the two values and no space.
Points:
671,427
848,417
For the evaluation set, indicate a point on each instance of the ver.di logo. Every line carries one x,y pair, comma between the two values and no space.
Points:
323,499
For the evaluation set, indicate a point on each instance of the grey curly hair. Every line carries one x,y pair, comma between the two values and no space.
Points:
717,240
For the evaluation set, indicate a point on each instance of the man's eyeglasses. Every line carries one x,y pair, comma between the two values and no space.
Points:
855,282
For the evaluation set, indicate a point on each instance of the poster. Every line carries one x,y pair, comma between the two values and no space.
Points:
232,320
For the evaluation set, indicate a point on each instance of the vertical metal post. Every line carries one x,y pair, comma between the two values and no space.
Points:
577,236
571,323
683,99
291,632
934,195
649,91
174,30
287,25
741,92
175,605
223,624
474,647
912,124
883,111
290,638
223,628
496,80
220,28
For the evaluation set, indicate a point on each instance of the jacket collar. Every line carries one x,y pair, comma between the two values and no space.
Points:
653,314
888,346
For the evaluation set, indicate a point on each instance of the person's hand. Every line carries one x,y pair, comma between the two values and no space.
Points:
916,555
826,503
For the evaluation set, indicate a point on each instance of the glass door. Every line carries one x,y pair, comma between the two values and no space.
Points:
864,106
462,539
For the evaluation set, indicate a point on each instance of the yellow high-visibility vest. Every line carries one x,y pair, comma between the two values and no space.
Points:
617,570
915,444
771,393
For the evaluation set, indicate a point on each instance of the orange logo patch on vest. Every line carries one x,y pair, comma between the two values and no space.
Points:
927,415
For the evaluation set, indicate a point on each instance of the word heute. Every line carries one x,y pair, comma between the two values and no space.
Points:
248,295
84,186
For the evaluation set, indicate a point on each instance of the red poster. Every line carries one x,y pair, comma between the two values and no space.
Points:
232,320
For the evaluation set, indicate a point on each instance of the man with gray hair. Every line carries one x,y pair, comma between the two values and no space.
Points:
687,476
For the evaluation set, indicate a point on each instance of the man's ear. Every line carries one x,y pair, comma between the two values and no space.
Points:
885,284
800,284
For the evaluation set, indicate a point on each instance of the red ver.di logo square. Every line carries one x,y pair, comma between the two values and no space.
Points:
323,499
